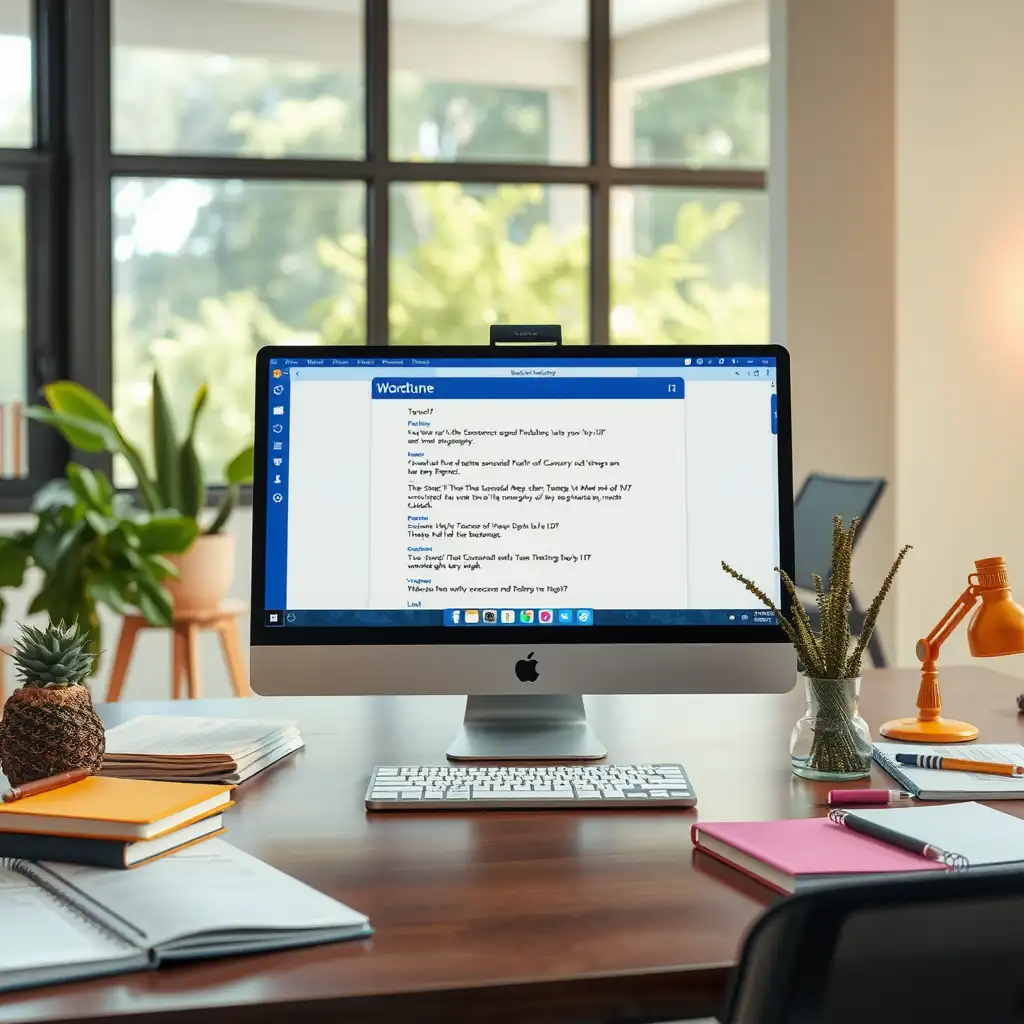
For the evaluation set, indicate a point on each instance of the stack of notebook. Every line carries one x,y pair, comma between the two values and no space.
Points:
111,823
808,853
214,750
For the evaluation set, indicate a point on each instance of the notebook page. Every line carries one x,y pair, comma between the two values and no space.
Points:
982,834
162,735
36,931
938,780
211,888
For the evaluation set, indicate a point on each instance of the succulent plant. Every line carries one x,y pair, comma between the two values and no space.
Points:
52,658
49,725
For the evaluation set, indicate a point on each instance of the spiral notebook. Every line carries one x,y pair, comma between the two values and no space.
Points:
65,922
940,784
969,835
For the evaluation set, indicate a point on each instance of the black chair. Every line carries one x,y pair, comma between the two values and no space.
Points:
820,498
946,950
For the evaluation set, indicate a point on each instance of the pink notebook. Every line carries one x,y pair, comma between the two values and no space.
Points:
801,853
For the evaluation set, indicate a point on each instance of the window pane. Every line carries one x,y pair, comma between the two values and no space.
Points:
13,339
690,83
488,81
15,73
206,272
465,257
256,79
689,267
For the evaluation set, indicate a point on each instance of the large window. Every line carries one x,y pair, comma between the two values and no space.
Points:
21,171
367,172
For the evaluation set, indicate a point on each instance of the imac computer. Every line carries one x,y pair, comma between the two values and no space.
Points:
523,526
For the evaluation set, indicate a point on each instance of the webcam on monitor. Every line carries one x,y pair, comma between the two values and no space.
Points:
526,334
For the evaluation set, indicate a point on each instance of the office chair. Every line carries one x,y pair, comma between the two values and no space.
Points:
820,498
944,950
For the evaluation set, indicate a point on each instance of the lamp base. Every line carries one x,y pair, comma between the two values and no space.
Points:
936,730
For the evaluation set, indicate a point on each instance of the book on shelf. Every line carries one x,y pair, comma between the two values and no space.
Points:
190,749
66,922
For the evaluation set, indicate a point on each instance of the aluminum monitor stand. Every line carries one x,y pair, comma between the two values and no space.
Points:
538,727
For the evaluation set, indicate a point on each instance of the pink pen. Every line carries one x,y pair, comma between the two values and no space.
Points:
849,797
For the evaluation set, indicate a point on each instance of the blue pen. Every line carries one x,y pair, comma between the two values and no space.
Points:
957,764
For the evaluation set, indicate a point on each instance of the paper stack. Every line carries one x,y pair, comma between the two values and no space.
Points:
170,748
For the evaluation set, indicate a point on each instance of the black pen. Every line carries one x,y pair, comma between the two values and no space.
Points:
892,838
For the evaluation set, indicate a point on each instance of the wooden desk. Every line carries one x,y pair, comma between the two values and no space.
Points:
545,916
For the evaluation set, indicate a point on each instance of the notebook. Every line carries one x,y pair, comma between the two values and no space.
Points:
804,853
65,922
981,836
173,748
106,853
126,809
939,784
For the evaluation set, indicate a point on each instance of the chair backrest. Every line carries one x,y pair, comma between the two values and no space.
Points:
820,498
940,950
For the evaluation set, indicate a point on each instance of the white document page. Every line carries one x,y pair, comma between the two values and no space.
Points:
206,890
36,931
189,737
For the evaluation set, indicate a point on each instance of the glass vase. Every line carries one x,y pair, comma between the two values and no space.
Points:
831,742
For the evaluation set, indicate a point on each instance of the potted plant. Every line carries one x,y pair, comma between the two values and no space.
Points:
831,741
49,726
206,569
93,547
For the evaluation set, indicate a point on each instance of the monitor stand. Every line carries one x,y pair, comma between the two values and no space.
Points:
538,727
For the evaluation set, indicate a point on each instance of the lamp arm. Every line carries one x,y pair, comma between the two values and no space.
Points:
928,648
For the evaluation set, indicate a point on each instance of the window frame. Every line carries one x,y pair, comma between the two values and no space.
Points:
69,174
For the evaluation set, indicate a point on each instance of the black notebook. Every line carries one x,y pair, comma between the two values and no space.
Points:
65,922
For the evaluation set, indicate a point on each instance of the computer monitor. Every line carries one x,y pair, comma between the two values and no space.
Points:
522,526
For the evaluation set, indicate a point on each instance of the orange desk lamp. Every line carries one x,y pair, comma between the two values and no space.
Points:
997,628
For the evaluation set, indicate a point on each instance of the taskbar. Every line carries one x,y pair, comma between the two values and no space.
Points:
513,618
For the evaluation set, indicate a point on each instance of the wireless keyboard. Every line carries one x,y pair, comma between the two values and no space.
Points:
448,787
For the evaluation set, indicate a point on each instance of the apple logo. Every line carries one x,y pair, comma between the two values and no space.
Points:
526,669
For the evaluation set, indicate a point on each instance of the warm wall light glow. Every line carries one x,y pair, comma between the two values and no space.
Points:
1002,270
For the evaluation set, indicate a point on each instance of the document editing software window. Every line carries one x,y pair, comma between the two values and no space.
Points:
509,492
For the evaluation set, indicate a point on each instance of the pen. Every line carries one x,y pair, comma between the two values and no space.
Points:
839,797
957,764
45,785
887,835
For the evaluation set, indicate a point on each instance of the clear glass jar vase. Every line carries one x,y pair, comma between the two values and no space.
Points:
831,742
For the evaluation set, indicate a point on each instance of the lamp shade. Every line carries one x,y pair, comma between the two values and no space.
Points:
997,626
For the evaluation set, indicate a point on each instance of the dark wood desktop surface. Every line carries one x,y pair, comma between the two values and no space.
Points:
504,916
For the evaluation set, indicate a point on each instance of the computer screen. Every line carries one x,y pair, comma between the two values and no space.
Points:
507,491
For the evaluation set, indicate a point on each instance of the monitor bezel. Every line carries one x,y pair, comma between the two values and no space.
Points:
262,635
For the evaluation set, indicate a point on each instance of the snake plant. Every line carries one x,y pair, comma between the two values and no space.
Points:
176,480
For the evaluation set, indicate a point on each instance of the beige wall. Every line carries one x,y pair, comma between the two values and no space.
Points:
839,312
960,397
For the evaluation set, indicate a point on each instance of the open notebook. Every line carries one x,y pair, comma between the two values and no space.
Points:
64,922
941,784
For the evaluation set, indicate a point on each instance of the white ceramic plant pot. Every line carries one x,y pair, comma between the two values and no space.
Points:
205,573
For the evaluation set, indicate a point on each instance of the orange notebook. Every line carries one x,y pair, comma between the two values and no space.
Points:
124,809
